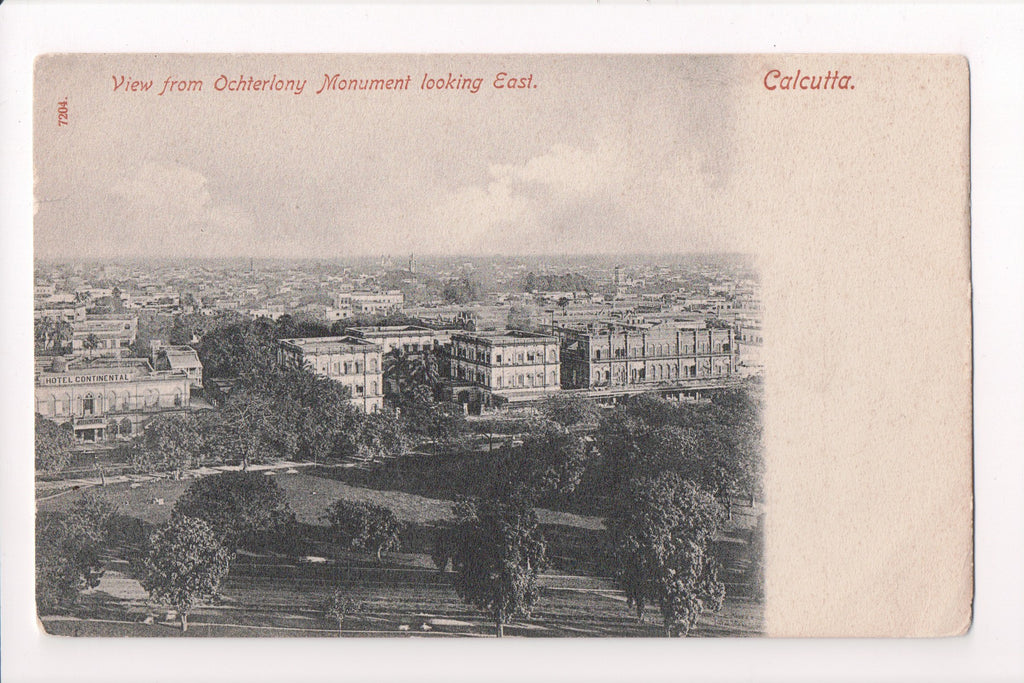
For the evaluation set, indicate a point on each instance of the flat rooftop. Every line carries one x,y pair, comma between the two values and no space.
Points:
341,344
387,330
506,337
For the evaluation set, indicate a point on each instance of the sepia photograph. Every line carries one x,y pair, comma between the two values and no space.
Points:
340,335
400,346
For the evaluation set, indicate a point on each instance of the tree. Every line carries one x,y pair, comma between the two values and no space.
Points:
406,371
237,346
54,444
364,526
337,605
311,413
716,444
185,565
236,505
497,552
570,411
460,290
664,552
550,462
51,336
68,552
381,436
91,342
519,318
250,429
169,443
443,424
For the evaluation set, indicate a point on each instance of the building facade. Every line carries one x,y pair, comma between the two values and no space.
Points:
508,366
372,303
107,397
351,361
181,358
616,355
104,335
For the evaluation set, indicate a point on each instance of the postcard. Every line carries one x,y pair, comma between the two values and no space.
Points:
476,345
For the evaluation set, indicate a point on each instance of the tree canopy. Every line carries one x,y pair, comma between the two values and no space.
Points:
664,553
716,444
68,557
570,410
54,444
548,465
236,505
170,443
497,552
185,565
364,526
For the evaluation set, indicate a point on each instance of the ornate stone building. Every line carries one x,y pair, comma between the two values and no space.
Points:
354,362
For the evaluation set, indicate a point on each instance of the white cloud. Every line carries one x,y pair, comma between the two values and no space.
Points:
605,198
173,207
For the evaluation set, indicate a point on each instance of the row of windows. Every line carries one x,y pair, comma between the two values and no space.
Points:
520,358
89,405
348,367
662,350
515,381
523,381
656,373
357,389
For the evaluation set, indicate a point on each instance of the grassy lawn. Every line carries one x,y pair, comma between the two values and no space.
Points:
272,595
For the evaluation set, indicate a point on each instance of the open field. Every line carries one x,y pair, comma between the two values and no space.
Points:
269,594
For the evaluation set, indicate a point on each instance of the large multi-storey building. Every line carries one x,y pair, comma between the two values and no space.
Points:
107,397
104,335
614,355
351,361
508,366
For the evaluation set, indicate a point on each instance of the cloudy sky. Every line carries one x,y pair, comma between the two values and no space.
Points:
614,154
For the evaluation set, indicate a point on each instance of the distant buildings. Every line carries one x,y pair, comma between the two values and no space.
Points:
351,361
104,398
371,303
670,327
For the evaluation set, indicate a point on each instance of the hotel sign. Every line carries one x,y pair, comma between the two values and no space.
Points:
85,379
